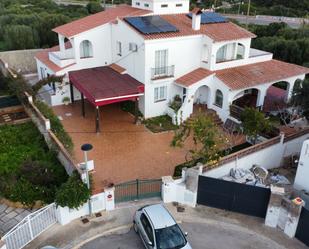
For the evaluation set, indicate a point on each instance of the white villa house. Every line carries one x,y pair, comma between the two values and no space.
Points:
156,49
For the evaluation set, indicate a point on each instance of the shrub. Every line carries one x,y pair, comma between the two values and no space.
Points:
73,193
56,125
94,7
28,170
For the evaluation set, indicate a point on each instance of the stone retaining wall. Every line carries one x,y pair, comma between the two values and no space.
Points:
20,60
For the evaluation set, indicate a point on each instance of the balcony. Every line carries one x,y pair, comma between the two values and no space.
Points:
62,59
162,72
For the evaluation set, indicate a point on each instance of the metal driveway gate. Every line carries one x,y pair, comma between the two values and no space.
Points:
232,196
137,189
303,227
30,227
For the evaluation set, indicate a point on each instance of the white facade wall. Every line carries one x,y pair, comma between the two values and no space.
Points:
163,6
185,61
302,174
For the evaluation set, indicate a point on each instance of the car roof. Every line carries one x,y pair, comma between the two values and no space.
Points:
159,216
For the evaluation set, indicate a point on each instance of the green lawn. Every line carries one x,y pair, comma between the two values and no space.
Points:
28,169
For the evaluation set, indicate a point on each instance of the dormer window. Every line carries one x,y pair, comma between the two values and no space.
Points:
178,4
137,3
164,5
146,5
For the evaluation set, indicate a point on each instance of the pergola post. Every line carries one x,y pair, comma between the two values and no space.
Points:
136,110
72,92
83,104
97,119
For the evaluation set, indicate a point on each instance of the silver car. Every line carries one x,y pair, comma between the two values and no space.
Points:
158,229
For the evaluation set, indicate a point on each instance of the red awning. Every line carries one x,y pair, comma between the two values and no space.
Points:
103,85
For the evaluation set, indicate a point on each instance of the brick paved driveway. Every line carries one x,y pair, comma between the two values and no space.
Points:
122,151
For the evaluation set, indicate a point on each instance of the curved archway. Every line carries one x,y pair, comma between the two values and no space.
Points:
246,98
230,51
240,51
86,49
201,95
277,96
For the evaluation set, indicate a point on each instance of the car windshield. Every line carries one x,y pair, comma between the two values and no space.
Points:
170,238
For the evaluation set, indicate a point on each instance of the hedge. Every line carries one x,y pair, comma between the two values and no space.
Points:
56,125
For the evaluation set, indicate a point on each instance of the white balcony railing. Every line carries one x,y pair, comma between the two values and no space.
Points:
62,59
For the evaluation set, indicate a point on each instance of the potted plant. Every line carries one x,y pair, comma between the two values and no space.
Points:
176,103
66,100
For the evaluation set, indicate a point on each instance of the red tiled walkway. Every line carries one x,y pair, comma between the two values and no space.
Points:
122,151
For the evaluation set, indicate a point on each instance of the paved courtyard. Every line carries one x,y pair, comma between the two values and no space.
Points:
9,217
122,151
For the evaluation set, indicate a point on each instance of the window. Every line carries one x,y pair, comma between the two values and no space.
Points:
146,5
147,227
219,98
170,237
160,93
164,5
161,62
42,72
86,49
184,94
137,3
119,49
221,54
178,4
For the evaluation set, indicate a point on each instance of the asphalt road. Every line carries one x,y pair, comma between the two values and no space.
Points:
201,235
265,20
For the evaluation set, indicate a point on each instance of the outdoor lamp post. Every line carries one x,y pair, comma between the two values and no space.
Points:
85,148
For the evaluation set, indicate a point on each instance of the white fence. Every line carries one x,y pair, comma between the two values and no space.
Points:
31,227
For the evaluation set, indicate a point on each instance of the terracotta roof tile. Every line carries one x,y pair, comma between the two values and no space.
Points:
216,31
259,73
98,19
247,76
117,68
44,58
193,77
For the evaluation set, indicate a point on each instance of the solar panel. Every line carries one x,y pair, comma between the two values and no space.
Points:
150,24
210,17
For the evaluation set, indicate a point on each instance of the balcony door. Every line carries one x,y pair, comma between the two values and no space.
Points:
161,60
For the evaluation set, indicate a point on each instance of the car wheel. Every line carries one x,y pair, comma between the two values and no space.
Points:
135,227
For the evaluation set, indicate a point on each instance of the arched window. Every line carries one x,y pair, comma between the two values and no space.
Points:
240,51
86,49
221,54
219,98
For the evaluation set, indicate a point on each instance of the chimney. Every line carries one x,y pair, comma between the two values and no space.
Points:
196,18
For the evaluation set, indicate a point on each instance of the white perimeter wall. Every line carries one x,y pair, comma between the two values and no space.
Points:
302,175
270,157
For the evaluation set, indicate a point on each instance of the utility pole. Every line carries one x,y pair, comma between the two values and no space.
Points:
248,13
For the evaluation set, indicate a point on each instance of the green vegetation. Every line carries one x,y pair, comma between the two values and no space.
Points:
207,139
287,44
160,123
73,193
28,170
129,106
300,96
293,8
26,24
56,125
176,103
254,123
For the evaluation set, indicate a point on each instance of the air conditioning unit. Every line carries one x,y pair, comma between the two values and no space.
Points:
133,47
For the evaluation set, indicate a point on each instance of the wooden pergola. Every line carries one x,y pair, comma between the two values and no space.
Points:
104,85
